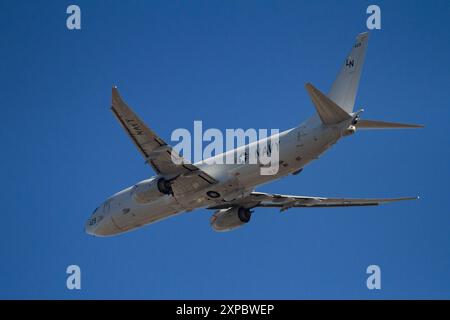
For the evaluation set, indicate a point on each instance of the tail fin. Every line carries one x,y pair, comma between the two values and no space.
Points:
371,124
329,112
344,89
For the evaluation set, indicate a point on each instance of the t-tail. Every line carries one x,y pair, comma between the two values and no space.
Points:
338,105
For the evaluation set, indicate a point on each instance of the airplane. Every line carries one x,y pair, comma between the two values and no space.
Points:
229,189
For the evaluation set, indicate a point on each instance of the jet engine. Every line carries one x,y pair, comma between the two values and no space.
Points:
149,190
164,186
229,219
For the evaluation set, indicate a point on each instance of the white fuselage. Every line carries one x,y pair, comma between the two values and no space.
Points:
297,147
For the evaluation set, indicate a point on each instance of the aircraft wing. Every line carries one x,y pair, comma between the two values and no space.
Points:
156,152
284,202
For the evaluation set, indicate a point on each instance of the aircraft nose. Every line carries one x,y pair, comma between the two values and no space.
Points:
104,227
89,228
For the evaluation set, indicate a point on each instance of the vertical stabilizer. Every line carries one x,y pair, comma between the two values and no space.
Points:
344,89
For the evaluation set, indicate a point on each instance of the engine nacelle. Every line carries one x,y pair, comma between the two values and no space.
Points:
229,219
147,191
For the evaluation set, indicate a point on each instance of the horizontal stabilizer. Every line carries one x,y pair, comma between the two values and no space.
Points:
372,124
329,112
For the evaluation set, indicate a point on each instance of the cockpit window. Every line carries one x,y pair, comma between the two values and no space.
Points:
95,211
94,220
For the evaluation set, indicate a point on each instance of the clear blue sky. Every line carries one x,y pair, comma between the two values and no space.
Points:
231,64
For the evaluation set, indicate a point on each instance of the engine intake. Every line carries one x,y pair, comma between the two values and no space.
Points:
164,186
229,219
149,190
